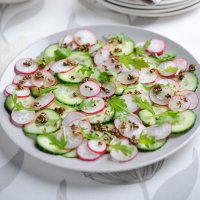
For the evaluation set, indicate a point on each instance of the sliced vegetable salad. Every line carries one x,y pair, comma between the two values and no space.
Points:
84,97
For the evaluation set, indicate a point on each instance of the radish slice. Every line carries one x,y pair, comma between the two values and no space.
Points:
97,146
110,67
83,37
128,78
43,79
94,48
26,66
162,67
191,96
101,56
107,90
181,63
60,66
131,106
167,81
21,117
24,79
84,124
119,156
96,106
89,89
12,89
133,127
156,47
147,75
71,117
159,131
73,139
44,100
179,103
66,40
163,97
132,118
84,153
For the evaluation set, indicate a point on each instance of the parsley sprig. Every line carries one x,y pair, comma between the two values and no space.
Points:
127,150
118,104
20,106
143,104
165,57
130,60
43,91
140,51
167,117
147,141
60,141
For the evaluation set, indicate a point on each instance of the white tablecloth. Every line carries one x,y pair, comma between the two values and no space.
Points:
25,178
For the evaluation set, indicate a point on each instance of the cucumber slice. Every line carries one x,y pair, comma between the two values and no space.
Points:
120,45
56,104
119,87
44,143
49,51
26,101
9,105
189,82
35,91
104,116
68,94
36,129
185,123
73,76
82,58
71,154
153,147
146,116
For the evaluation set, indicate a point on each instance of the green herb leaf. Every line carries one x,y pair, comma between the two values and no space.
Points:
171,69
62,53
143,104
104,76
19,105
147,141
140,51
59,142
118,104
165,57
137,63
167,117
44,58
89,136
87,104
85,70
127,150
43,91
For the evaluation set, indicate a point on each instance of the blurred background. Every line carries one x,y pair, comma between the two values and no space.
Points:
25,21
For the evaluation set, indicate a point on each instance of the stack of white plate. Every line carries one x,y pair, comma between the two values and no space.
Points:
147,8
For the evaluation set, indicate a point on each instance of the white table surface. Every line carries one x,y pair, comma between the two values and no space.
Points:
25,178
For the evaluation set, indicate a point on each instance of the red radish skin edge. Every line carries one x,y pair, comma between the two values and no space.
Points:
160,52
123,161
94,112
98,152
9,94
19,72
